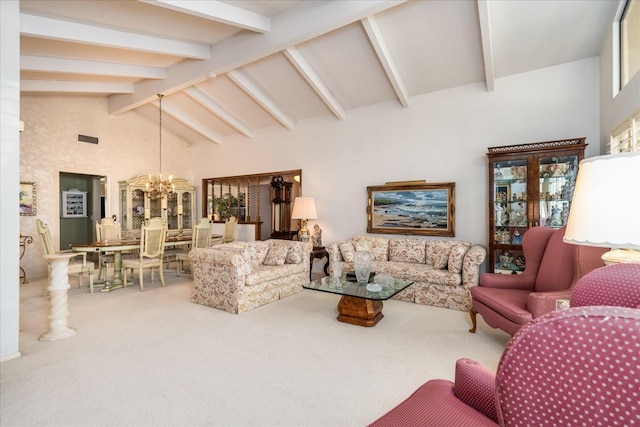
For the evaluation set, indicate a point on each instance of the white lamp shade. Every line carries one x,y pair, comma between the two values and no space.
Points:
304,208
605,210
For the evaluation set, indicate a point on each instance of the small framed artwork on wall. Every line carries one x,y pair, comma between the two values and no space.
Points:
27,198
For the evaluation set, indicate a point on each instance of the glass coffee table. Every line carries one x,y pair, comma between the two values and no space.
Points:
361,303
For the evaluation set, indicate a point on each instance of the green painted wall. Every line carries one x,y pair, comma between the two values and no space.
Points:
76,230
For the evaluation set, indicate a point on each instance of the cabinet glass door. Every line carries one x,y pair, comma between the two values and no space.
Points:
511,214
172,213
557,177
186,210
137,207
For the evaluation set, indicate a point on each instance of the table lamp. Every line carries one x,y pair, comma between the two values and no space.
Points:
605,210
304,208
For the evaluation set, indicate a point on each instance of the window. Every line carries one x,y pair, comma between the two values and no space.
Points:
626,137
629,41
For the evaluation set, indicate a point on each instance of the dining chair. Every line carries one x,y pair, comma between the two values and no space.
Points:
201,238
151,249
76,267
106,229
230,226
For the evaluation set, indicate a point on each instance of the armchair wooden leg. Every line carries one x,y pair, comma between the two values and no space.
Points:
472,313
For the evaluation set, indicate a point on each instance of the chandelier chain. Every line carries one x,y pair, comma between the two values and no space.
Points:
160,96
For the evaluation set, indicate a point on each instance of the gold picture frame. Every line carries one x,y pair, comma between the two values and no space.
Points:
27,198
412,209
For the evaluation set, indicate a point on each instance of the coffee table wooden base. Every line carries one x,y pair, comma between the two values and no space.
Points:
359,311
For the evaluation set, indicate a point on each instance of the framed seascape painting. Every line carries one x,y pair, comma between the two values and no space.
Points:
421,209
27,198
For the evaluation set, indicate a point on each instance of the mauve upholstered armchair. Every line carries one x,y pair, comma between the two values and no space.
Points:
579,366
509,301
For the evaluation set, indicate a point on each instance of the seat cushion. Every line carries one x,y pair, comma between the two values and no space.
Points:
510,303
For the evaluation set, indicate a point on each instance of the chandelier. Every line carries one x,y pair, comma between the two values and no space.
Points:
159,187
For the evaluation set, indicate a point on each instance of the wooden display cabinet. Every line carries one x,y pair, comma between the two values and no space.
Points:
529,185
134,202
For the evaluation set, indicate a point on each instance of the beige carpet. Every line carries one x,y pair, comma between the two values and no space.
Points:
153,358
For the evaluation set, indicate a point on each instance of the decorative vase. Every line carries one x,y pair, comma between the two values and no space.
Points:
362,265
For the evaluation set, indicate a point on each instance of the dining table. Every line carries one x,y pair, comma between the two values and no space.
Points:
119,246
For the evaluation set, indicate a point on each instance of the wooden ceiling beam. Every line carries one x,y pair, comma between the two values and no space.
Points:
217,109
60,86
487,46
55,29
219,12
384,55
309,74
184,118
75,66
261,97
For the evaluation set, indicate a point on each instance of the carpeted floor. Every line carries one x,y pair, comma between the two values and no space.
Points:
153,358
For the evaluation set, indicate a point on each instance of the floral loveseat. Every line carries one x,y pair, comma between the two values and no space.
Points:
444,270
240,276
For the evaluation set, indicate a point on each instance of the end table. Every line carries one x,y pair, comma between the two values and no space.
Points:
318,252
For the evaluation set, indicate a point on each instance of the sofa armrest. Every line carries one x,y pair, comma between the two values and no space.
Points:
475,386
229,260
540,303
471,263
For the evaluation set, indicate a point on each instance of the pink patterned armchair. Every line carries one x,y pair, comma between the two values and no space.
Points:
509,301
614,285
579,366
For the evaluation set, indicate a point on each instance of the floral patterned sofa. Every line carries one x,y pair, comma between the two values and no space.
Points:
240,276
444,270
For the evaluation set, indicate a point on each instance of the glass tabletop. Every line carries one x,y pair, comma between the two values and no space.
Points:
382,287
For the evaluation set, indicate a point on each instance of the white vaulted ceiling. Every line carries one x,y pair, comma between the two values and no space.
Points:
232,67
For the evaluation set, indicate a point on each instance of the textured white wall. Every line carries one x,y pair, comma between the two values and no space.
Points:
442,137
128,146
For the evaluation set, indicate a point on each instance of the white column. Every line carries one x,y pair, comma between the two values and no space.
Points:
58,287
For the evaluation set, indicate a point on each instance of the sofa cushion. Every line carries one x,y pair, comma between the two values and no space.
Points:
260,252
417,272
346,250
441,260
378,246
436,250
266,273
240,248
276,255
294,255
456,256
407,250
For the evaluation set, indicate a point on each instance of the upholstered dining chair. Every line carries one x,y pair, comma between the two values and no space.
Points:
509,301
151,251
568,367
201,238
106,229
76,267
230,226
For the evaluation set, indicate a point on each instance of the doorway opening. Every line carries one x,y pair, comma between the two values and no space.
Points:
82,202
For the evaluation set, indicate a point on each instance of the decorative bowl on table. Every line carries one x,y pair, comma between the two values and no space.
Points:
374,287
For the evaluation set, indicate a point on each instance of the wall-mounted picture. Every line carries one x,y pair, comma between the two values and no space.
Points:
27,198
74,204
421,209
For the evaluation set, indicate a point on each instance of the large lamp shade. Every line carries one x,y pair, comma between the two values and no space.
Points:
605,210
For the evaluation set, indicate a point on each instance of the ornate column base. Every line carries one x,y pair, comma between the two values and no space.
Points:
58,287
